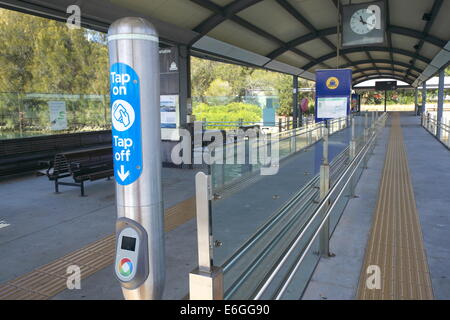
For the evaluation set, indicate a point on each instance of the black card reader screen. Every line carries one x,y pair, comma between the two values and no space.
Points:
128,243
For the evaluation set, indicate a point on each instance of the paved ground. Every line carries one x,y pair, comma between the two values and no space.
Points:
429,163
337,278
40,226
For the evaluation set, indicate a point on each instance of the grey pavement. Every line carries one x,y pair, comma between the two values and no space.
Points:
429,164
337,278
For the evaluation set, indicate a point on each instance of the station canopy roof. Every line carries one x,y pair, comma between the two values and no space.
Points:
291,36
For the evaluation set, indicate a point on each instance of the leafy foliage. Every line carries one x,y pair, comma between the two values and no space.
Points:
44,56
233,112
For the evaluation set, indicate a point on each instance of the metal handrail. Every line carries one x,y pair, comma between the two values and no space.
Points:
323,204
436,128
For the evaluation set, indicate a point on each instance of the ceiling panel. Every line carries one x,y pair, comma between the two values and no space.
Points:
292,59
404,42
234,34
182,13
357,56
408,13
270,17
315,48
429,51
441,26
222,3
320,13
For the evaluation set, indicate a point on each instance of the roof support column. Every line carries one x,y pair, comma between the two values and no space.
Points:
440,106
295,102
416,101
424,97
184,67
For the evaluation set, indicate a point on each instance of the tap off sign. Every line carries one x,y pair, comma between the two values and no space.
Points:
126,123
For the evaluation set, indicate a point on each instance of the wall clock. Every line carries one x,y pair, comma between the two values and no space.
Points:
363,24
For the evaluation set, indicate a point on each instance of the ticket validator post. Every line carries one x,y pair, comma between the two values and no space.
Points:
136,137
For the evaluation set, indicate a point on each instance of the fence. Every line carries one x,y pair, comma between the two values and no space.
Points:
31,114
439,129
260,237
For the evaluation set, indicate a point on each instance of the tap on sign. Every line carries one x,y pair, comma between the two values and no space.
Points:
126,123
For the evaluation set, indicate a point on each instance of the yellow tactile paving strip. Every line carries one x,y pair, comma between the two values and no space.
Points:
396,244
50,279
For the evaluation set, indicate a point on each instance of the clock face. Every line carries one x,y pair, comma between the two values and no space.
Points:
363,21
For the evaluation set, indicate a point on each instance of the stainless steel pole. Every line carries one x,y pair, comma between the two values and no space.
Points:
135,111
440,105
424,97
324,181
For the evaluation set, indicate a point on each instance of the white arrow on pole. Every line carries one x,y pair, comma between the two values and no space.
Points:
122,174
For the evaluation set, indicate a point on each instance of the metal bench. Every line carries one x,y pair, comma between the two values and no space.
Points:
27,154
85,165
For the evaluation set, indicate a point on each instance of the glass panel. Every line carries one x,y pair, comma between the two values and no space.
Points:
255,216
36,114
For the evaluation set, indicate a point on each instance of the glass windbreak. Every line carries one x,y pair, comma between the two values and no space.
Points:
252,211
35,114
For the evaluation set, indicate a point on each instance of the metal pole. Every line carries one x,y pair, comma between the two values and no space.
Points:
366,126
416,101
353,142
295,101
135,110
324,188
385,101
206,281
424,97
440,106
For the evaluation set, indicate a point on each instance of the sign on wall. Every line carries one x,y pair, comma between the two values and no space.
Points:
333,90
169,109
58,115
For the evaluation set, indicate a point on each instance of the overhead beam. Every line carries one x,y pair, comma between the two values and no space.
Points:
389,34
333,30
361,79
434,12
221,14
371,59
305,22
229,13
384,61
378,69
362,49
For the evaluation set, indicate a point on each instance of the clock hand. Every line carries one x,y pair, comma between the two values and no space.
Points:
361,19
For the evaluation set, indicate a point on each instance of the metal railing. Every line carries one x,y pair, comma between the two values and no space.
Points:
437,128
301,228
289,142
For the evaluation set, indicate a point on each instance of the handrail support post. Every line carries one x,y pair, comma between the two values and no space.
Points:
206,281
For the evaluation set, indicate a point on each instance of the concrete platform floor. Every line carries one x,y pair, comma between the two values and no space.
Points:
38,226
429,164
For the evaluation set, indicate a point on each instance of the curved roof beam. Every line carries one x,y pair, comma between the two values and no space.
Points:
434,12
361,79
333,30
384,61
362,49
381,69
221,15
229,13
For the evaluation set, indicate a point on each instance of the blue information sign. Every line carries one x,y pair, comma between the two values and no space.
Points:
333,90
126,123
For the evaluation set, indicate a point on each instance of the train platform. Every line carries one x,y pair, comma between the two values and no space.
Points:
48,232
398,223
395,222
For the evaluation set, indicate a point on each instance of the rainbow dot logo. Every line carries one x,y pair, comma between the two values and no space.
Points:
125,267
